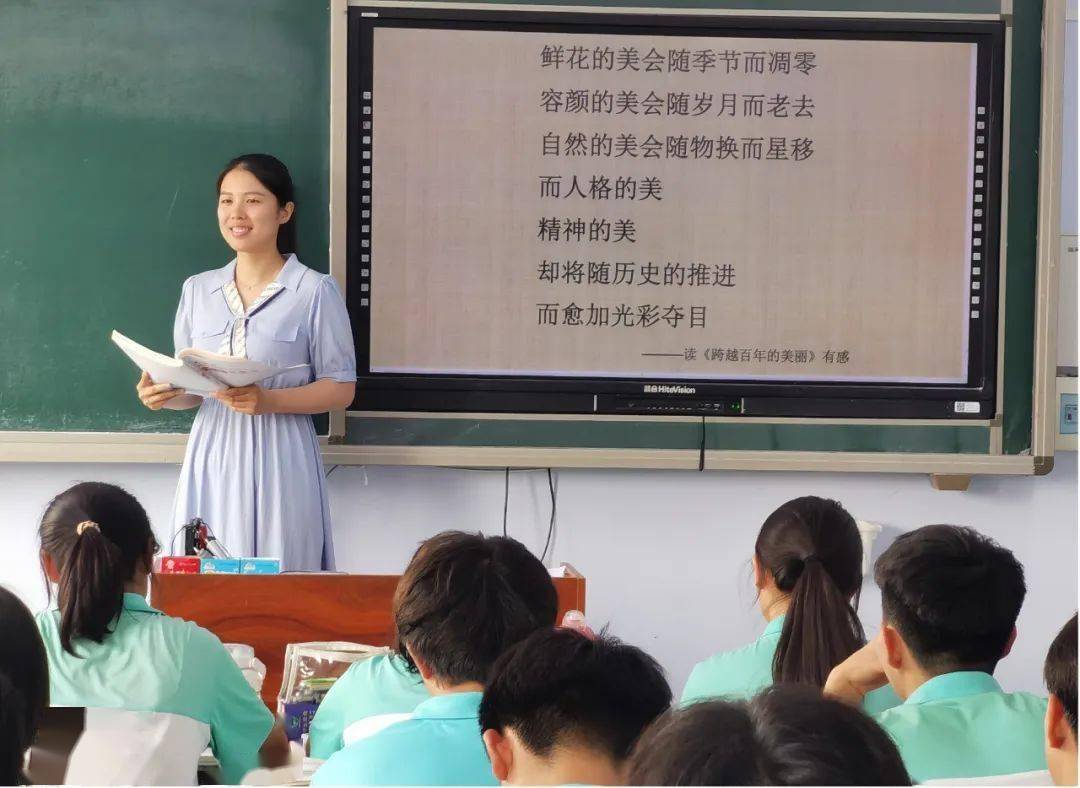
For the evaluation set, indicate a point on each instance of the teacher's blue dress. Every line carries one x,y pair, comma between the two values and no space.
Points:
258,481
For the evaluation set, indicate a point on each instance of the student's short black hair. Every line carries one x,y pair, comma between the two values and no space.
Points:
789,734
1060,670
560,686
466,598
953,594
24,686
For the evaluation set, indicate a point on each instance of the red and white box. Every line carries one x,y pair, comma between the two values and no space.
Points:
178,564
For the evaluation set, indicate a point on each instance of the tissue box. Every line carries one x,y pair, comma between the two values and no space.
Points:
260,566
178,564
221,566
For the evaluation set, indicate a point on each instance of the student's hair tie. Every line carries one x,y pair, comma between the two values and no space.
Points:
81,528
811,559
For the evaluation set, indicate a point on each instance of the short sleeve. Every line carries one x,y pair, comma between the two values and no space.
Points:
239,720
370,761
333,354
371,687
694,691
331,718
336,771
182,324
881,699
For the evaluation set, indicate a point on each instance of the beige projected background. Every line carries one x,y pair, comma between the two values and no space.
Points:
839,251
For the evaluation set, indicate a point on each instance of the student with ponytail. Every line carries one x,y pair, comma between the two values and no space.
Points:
463,600
108,648
808,572
24,686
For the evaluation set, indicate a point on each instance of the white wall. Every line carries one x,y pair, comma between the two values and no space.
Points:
665,553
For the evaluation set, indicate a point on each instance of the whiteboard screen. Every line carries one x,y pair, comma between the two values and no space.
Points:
555,203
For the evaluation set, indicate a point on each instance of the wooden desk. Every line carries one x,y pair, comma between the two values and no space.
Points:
270,611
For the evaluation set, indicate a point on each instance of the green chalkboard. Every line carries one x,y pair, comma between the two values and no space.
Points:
115,116
1021,224
115,119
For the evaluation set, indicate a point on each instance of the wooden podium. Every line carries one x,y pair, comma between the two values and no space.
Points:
270,611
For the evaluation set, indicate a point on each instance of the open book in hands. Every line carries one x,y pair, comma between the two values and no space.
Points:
197,371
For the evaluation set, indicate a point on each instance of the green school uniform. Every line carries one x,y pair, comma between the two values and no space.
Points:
963,725
743,673
153,662
380,685
439,745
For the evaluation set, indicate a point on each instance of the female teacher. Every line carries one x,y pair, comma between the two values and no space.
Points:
252,470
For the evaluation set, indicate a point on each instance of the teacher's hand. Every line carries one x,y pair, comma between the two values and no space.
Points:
252,400
155,395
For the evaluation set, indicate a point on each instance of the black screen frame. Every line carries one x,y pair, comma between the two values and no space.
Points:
564,394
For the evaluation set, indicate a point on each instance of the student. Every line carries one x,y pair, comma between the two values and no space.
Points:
1060,676
807,568
463,600
24,686
949,598
108,648
563,708
376,686
786,735
370,688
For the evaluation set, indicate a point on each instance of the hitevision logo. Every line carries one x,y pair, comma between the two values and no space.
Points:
652,388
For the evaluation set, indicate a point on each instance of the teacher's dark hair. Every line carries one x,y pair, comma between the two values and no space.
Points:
24,686
275,176
786,735
96,534
813,550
